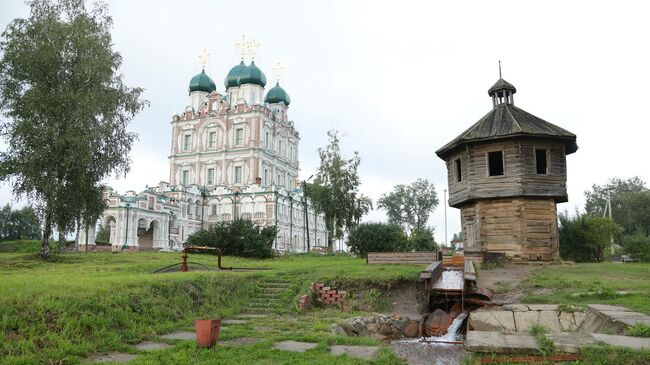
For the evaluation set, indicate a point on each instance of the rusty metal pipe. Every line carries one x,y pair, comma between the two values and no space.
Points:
219,254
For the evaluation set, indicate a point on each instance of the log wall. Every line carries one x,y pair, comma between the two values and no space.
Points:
520,175
522,228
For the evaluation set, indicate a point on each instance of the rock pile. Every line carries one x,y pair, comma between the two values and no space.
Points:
379,325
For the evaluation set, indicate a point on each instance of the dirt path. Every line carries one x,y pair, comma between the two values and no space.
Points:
504,281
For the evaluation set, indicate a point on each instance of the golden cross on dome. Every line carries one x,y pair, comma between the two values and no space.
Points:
252,48
204,57
242,44
278,70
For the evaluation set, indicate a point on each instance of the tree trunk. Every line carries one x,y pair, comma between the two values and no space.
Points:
76,239
47,232
61,241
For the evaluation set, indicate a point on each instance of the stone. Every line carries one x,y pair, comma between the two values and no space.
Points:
496,342
337,329
437,323
567,321
492,321
233,321
360,352
294,346
543,307
181,335
242,341
387,329
606,307
411,329
516,307
571,342
113,357
549,319
372,327
636,343
151,346
626,317
525,320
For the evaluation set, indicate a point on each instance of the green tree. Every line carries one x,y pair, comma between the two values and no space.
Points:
19,224
67,111
630,201
377,237
335,191
637,246
421,239
410,205
585,237
237,238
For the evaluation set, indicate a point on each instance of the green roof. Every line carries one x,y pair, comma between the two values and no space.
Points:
277,95
242,74
202,82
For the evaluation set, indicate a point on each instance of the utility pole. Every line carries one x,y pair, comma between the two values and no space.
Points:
445,202
304,187
608,210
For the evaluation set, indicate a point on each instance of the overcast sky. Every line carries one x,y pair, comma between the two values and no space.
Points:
400,79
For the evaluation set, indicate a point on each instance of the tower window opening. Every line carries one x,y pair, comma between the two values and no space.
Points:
239,136
495,163
459,174
212,140
541,161
187,142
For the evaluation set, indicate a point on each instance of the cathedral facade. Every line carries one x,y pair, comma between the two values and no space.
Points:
233,155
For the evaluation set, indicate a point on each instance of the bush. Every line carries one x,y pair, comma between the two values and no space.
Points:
637,246
422,240
585,238
237,238
22,246
377,237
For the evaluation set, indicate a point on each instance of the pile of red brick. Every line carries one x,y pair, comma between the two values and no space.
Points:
327,295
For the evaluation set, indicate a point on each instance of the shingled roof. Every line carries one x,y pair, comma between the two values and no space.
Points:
505,121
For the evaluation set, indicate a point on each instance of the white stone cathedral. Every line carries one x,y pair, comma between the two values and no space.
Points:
233,155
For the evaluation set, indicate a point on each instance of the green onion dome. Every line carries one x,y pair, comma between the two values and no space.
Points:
202,82
232,79
277,94
252,75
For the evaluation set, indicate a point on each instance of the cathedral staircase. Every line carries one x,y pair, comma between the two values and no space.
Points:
269,296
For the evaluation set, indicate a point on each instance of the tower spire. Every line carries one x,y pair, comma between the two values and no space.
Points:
242,44
204,57
500,69
278,70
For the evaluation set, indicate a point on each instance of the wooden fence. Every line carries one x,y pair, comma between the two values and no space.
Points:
419,258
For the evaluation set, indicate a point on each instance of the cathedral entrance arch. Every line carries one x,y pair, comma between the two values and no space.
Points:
106,230
148,231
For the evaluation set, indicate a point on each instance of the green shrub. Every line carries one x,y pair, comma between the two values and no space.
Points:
22,246
421,239
377,237
638,330
637,246
585,238
237,238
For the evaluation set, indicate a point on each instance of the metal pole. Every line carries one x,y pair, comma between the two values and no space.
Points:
304,185
126,232
445,202
169,229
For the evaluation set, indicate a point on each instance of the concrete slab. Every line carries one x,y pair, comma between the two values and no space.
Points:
629,318
252,315
516,307
567,322
579,317
242,341
119,357
294,346
151,346
492,321
636,343
550,320
606,307
495,342
263,328
180,335
571,342
233,321
543,307
360,352
525,320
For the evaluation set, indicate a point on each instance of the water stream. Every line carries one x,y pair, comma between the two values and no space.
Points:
432,350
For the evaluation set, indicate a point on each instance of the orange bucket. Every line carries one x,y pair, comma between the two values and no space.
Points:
207,331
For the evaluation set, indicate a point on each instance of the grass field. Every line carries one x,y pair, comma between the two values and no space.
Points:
61,310
625,284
